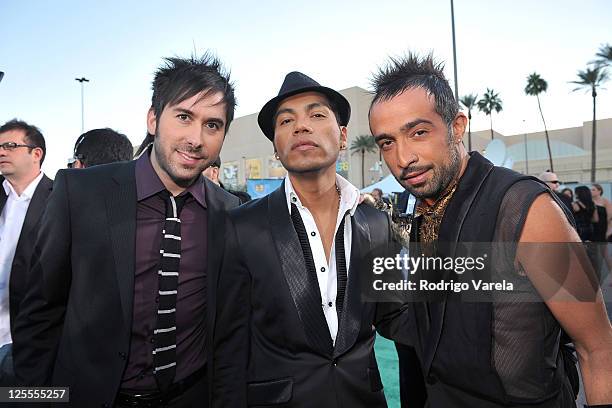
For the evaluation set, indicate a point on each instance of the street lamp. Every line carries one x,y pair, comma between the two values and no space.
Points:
525,143
81,80
454,51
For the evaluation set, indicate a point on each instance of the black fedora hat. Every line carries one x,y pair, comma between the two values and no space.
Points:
296,83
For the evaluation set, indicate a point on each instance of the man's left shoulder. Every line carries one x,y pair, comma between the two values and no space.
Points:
228,200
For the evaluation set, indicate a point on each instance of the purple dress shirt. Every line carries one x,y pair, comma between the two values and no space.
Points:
191,297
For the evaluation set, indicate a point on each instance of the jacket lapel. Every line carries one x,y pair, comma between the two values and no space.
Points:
121,203
35,209
215,239
303,287
350,321
3,196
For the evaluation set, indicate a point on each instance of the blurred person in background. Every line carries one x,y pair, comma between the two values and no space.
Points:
212,173
585,213
100,146
603,229
553,182
568,192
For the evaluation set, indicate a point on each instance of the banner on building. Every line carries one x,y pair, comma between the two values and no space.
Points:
253,168
275,168
262,187
342,164
229,174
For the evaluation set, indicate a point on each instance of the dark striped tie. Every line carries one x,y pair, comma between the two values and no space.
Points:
164,352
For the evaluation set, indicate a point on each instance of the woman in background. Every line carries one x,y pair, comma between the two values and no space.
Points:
568,192
584,213
603,228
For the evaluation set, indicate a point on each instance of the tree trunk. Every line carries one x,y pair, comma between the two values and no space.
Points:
547,138
362,168
491,120
469,130
594,139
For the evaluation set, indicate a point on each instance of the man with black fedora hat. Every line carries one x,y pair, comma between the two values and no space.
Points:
291,326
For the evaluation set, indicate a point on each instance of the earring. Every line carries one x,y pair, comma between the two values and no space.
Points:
276,156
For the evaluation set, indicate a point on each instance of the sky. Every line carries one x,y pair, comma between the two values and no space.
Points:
117,45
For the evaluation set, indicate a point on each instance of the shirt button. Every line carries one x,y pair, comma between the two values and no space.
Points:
293,199
330,304
313,233
334,362
322,269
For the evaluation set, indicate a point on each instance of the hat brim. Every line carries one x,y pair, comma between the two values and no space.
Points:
266,115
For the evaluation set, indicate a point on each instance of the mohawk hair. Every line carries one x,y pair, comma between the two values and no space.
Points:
413,71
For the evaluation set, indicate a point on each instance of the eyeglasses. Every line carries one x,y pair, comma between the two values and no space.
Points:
10,146
555,182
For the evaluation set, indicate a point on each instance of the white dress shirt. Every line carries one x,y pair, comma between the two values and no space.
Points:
326,272
11,220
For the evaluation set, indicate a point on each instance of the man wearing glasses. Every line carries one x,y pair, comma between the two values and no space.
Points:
553,182
23,195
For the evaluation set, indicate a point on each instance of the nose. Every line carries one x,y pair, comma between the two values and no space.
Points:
301,126
405,156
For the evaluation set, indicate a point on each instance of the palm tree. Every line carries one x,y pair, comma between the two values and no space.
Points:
604,55
469,101
535,86
591,79
363,144
490,102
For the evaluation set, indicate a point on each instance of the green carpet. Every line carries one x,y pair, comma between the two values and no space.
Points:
386,356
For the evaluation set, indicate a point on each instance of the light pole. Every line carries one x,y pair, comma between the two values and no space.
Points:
454,51
81,80
525,143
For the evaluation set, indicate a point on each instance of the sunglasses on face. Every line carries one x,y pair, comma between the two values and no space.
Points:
10,146
555,182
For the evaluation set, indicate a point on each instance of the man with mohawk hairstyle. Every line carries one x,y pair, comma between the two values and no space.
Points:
127,259
488,353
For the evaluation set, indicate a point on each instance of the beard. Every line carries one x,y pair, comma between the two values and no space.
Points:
442,176
180,174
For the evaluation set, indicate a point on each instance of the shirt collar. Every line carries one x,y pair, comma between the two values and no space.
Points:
349,195
148,182
29,190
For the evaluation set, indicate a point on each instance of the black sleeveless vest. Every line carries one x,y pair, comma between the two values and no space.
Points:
458,349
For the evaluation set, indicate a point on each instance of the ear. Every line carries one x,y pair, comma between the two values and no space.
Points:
37,154
459,125
343,135
78,164
151,121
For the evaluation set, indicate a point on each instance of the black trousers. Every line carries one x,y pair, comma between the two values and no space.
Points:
413,393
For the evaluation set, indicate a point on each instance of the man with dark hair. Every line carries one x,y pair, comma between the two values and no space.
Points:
100,146
174,79
23,193
293,330
487,353
128,256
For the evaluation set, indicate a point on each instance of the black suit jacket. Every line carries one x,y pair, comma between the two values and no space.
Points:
25,244
272,343
75,323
